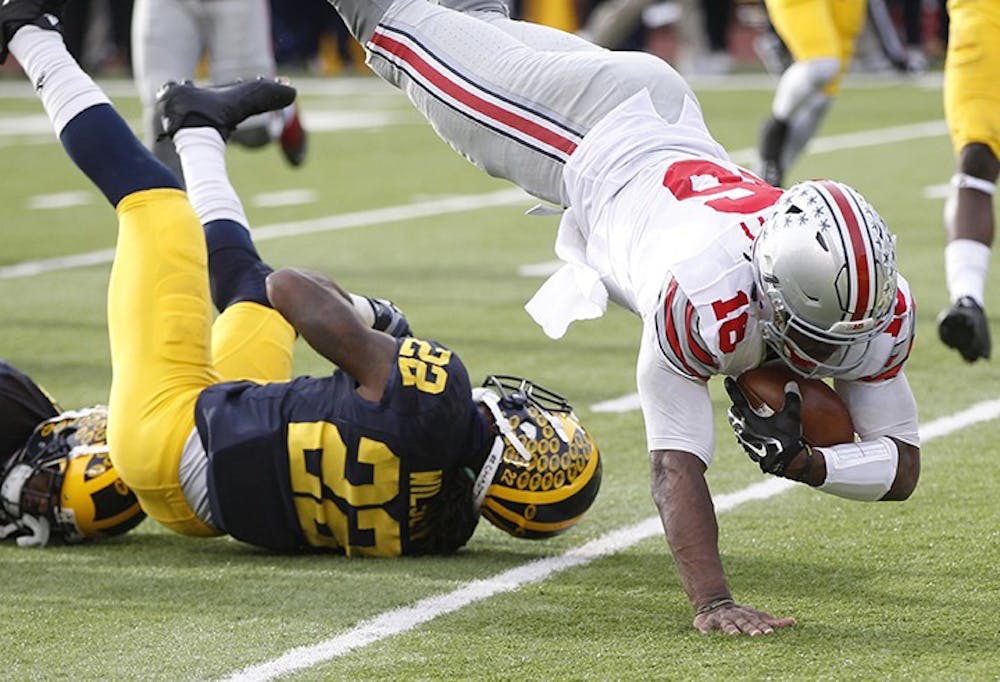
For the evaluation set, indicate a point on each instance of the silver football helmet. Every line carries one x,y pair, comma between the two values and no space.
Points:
826,265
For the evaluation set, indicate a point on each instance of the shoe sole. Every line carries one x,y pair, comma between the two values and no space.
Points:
957,332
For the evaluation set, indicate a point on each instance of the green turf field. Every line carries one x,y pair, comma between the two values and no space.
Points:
894,591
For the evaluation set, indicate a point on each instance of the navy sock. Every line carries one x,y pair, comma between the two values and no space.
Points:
236,272
107,151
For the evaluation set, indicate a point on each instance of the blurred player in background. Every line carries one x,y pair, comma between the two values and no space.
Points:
169,40
820,35
702,30
393,453
972,109
725,271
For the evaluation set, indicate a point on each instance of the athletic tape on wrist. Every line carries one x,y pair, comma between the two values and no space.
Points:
860,471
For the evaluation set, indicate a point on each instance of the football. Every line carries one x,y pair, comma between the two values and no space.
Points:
825,418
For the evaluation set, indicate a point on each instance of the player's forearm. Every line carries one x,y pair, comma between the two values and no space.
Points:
688,518
317,309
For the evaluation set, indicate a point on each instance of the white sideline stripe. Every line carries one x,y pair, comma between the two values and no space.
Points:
978,413
389,214
627,403
866,138
398,621
914,131
463,203
937,191
44,202
15,128
288,197
543,269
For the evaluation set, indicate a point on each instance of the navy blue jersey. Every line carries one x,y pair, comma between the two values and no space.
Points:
309,462
23,406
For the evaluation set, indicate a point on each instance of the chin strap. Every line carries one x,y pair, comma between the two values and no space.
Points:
506,434
492,402
487,473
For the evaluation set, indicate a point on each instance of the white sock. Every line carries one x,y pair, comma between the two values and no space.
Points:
203,160
63,87
966,262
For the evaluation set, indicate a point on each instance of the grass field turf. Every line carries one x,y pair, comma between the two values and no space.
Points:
883,591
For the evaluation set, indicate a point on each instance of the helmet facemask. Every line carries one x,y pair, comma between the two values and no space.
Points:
63,483
30,498
825,264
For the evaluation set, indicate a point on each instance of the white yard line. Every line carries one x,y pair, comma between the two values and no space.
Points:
469,203
378,216
404,619
626,403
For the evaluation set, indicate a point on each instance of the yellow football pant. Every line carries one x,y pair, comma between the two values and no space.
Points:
813,29
556,13
165,350
971,74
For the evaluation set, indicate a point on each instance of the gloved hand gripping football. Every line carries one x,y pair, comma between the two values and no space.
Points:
771,441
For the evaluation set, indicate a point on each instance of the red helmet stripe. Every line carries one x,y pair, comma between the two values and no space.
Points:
861,260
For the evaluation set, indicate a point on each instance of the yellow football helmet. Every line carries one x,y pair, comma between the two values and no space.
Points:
544,470
62,481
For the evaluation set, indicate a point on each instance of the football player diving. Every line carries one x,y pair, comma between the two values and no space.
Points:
726,271
393,453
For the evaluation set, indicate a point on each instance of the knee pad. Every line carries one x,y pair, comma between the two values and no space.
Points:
822,71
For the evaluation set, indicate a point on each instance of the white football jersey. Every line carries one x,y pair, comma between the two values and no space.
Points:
662,222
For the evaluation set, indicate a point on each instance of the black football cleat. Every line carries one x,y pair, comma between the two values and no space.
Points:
963,327
17,13
223,107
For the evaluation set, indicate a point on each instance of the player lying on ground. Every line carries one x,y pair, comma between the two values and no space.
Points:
393,453
726,271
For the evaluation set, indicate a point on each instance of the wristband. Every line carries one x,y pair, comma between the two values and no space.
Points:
713,605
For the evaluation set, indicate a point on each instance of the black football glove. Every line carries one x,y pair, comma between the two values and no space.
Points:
389,318
772,441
